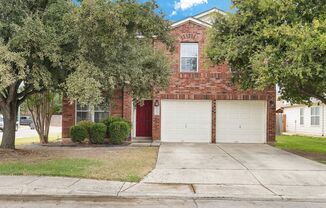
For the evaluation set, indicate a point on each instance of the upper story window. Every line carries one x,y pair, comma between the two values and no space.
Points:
189,57
301,116
315,116
91,113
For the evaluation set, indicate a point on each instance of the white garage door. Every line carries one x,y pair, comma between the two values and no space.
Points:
241,121
186,121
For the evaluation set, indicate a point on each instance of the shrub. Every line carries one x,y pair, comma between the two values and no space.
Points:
87,125
119,131
97,133
110,120
78,133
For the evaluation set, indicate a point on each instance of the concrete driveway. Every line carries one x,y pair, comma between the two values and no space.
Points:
239,169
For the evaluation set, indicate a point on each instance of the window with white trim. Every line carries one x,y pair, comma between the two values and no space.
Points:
315,116
189,57
91,113
301,116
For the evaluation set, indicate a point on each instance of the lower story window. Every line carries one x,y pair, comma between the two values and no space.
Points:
91,113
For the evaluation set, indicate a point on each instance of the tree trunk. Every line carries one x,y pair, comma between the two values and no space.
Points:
44,139
41,106
9,118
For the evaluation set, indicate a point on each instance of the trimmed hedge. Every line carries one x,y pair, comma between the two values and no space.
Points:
112,119
119,131
78,133
87,125
97,133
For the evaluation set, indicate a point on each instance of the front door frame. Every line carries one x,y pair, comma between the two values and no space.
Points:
134,118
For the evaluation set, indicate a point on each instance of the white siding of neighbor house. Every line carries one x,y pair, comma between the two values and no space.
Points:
293,121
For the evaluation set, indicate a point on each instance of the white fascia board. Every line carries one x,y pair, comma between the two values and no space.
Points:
176,24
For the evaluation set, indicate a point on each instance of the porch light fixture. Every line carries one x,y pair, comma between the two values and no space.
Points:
156,103
272,103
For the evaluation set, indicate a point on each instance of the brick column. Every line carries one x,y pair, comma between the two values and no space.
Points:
127,106
271,118
156,127
68,116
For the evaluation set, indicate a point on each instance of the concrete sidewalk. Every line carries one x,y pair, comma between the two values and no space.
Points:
193,171
48,188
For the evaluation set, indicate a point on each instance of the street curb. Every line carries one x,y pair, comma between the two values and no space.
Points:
104,198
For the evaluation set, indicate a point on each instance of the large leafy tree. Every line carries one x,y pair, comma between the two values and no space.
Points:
116,40
35,46
270,42
89,50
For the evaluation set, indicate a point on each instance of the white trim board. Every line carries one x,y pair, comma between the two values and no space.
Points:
190,19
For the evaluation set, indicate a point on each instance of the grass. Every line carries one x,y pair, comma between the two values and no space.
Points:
35,139
302,143
108,163
57,167
311,147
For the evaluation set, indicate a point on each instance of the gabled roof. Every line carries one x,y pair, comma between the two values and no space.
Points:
176,24
197,18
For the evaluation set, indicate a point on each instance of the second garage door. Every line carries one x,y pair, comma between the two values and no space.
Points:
186,121
240,121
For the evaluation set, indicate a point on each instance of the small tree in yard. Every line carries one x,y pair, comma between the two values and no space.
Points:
270,42
42,107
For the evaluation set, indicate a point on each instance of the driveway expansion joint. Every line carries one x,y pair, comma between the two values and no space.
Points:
234,158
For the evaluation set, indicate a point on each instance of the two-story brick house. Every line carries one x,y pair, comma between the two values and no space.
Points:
200,104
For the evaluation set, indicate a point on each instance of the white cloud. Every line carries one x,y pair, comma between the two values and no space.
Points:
186,4
173,13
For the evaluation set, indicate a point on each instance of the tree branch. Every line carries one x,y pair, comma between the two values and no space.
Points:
26,94
312,94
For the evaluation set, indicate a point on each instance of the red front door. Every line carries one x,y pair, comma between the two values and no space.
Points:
144,119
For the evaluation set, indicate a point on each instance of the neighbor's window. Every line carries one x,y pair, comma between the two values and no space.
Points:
315,116
301,116
91,113
189,57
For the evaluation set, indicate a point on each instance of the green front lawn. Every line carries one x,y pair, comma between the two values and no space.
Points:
310,147
108,163
36,140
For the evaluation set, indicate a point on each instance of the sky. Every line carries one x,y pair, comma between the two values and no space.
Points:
179,9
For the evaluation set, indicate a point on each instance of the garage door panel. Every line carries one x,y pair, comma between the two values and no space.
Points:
186,121
241,121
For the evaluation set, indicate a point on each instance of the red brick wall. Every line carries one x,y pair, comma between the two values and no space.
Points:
210,83
127,106
117,103
68,117
121,106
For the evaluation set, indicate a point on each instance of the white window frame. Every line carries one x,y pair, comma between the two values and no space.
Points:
91,110
301,116
314,116
185,43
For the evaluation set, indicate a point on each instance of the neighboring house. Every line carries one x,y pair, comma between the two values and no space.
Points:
200,104
302,119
